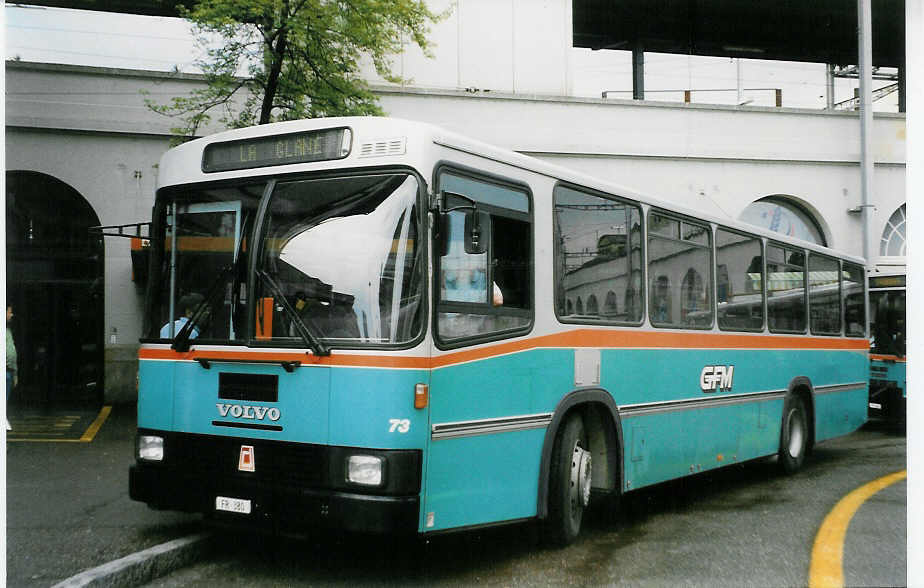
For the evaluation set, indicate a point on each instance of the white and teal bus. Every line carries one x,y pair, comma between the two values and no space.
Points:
376,325
888,392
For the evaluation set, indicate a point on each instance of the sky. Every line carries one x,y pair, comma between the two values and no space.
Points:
54,35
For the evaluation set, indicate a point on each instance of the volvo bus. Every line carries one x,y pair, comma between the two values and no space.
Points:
887,391
379,326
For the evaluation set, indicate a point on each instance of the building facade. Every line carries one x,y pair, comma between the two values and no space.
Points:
82,150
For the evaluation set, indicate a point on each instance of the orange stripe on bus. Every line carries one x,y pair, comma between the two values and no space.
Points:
894,358
654,340
576,338
383,361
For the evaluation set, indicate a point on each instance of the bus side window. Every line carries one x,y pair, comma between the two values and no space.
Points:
598,265
785,290
824,295
740,271
489,292
680,267
853,278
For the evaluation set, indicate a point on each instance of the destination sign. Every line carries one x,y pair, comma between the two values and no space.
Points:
887,282
303,147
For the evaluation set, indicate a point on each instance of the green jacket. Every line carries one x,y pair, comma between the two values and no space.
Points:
10,352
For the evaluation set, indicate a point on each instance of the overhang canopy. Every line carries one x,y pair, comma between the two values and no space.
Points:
820,31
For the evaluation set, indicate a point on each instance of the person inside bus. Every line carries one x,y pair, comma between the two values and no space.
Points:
188,305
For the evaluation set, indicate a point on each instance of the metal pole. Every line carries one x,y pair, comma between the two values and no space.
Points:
638,73
738,72
866,117
829,85
865,44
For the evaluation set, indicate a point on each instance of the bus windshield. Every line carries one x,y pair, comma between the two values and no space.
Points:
887,327
339,263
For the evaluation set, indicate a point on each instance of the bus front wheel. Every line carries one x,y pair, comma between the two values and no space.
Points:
569,482
794,435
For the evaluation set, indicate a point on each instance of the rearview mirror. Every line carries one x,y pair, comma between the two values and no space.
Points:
477,232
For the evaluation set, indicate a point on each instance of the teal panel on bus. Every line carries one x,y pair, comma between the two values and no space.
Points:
303,398
375,408
491,477
483,479
155,394
673,441
659,445
837,414
890,371
636,376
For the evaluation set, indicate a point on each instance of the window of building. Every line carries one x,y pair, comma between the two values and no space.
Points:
680,267
598,256
781,215
740,279
893,236
824,295
785,289
485,261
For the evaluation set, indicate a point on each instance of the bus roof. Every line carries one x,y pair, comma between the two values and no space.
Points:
183,164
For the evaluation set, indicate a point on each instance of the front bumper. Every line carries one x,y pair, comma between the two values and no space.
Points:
298,490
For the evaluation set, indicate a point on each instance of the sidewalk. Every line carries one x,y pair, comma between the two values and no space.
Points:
68,508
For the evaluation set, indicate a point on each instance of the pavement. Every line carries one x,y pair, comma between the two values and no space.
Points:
69,518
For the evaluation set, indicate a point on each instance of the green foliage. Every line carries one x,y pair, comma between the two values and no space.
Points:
301,58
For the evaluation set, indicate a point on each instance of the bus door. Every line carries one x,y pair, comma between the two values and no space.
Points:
485,441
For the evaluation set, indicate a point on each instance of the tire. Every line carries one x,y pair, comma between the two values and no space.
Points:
569,483
794,434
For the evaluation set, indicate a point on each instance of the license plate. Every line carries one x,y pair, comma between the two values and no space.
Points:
238,505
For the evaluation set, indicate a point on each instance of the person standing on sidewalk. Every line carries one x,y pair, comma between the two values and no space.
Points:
11,360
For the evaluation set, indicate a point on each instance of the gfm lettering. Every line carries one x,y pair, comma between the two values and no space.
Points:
716,377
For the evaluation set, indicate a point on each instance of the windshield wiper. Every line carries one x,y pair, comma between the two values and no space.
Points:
316,345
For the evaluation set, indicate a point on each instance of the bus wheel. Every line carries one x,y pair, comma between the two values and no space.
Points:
794,435
569,483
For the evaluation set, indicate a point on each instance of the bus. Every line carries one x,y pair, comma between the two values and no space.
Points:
379,326
887,391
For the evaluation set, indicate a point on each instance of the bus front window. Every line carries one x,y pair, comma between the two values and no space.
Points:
341,258
887,329
200,264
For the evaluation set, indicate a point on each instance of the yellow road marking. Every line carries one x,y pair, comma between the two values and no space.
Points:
39,425
827,567
93,429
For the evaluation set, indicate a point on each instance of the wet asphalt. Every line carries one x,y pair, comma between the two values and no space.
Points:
68,508
68,511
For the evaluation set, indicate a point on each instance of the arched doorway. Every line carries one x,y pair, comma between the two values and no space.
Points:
54,282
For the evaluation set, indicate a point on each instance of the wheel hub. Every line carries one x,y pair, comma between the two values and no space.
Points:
796,434
580,477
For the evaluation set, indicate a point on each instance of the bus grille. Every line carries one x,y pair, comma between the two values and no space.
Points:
296,464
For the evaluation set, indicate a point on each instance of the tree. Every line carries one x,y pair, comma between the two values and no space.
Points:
302,58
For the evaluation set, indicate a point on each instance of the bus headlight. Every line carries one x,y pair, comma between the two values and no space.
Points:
365,470
150,448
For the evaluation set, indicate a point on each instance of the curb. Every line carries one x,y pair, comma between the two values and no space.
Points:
143,566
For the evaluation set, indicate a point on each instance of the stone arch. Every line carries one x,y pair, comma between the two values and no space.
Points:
788,215
55,283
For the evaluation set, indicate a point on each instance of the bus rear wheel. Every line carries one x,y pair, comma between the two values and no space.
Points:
569,482
794,435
